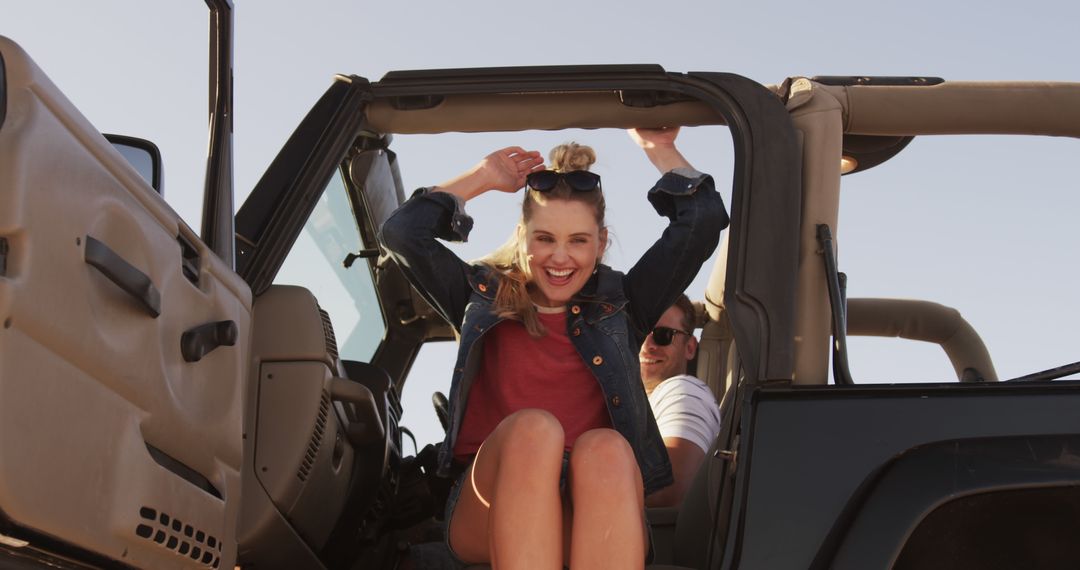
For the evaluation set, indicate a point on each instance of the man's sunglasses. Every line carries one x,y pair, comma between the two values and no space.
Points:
577,180
663,336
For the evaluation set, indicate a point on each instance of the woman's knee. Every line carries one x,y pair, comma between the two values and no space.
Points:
533,431
604,451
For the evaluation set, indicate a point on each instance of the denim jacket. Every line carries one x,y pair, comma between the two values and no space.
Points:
608,319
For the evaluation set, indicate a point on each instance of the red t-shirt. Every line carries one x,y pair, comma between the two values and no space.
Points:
519,371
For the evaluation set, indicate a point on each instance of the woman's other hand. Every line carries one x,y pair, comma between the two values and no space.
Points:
650,138
659,146
508,167
503,170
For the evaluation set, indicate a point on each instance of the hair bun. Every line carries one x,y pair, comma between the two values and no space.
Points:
571,156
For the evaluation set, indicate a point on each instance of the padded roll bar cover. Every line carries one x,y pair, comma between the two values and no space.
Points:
520,112
818,117
962,107
925,321
714,289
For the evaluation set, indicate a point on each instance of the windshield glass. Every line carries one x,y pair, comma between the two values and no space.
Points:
318,262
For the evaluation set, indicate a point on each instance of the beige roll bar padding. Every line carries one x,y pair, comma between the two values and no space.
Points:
961,107
818,120
925,321
714,344
526,111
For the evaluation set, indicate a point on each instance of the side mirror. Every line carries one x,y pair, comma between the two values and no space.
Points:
143,155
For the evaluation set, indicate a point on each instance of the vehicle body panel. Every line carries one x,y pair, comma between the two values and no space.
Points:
94,391
817,456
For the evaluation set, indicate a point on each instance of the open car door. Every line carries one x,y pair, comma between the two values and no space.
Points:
122,351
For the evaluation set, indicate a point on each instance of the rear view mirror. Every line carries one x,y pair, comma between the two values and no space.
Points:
143,155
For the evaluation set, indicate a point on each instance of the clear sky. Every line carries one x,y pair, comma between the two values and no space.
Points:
983,224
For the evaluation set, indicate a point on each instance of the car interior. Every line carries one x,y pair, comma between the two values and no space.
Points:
261,422
374,185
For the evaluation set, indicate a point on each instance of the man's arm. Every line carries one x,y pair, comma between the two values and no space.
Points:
688,419
686,458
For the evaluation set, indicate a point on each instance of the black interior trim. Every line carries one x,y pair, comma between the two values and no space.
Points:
3,256
871,150
816,413
1050,374
763,238
149,147
183,471
986,530
472,75
890,80
287,193
218,215
879,519
45,551
199,341
837,306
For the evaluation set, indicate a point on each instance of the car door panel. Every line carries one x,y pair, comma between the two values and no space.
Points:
109,440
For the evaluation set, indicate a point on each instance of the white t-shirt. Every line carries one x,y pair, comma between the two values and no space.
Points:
685,407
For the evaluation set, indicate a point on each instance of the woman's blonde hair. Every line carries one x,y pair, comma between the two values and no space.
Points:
511,262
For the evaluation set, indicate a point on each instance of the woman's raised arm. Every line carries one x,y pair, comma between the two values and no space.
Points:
659,146
503,170
696,216
411,235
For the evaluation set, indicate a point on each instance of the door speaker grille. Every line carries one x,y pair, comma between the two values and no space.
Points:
182,539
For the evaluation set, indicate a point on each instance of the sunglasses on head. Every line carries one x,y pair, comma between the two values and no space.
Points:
663,336
577,180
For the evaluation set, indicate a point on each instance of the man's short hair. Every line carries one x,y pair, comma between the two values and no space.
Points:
687,308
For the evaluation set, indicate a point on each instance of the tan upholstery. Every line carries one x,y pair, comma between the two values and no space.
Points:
961,107
519,112
714,290
953,107
925,321
817,117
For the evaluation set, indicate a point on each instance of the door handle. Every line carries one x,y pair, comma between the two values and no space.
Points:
199,341
124,275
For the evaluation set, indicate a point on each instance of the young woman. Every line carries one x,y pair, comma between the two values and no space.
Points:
550,428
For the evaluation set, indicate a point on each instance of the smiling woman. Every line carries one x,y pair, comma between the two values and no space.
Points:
564,246
559,242
546,393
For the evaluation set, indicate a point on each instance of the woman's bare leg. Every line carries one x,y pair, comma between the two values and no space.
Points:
608,503
510,513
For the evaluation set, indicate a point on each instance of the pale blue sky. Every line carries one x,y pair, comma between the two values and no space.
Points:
983,224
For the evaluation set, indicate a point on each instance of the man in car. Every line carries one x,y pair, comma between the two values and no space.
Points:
685,408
